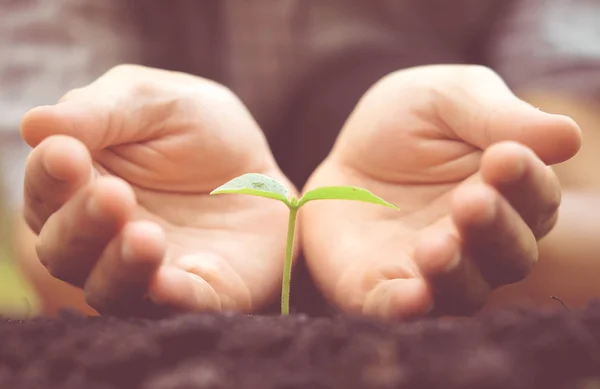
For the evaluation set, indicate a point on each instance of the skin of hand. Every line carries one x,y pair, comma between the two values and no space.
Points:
117,188
469,166
568,265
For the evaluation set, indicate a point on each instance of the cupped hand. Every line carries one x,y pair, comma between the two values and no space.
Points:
468,165
117,187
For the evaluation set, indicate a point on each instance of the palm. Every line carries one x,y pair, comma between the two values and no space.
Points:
418,167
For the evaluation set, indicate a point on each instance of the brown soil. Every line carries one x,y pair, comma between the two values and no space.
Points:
503,349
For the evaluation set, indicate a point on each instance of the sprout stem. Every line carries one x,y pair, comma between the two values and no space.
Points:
287,266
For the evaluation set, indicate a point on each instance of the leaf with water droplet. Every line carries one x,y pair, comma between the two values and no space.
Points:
255,184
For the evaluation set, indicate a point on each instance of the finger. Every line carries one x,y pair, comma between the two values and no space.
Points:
54,171
94,117
387,290
75,236
493,235
476,104
530,186
126,104
399,298
183,290
200,282
88,121
216,274
455,282
119,282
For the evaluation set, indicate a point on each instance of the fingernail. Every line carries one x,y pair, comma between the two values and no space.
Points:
93,209
52,173
453,263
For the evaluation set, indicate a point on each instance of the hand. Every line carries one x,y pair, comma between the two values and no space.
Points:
117,188
467,163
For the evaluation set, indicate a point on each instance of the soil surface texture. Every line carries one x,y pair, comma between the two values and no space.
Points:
503,349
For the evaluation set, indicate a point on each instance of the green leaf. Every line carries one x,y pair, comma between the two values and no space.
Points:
256,185
343,193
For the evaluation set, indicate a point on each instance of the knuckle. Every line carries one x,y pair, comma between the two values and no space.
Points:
128,81
143,88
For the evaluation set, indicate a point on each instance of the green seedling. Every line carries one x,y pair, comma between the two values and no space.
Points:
263,186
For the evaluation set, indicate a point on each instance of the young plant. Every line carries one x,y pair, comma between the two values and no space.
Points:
263,186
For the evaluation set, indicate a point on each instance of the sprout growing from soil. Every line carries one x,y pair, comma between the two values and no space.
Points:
263,186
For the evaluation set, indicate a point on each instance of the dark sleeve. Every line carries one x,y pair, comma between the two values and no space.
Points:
550,45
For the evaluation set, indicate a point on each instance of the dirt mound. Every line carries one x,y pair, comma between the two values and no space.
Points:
504,349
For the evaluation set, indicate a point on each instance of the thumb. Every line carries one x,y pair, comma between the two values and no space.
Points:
484,111
125,105
96,124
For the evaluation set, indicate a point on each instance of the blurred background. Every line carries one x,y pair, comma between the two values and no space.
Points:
299,65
